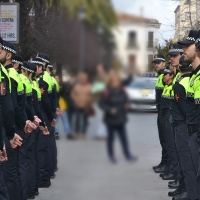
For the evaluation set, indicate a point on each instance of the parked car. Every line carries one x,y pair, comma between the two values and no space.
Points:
141,93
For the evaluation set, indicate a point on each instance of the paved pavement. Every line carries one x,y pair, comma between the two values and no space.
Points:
85,173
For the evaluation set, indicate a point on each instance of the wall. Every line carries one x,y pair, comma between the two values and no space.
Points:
141,51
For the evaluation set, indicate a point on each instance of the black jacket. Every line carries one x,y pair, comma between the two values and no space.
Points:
114,99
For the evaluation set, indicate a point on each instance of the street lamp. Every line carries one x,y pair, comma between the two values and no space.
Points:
100,32
82,17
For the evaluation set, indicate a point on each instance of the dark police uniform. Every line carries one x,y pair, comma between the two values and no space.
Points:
52,98
166,111
8,122
193,117
43,146
182,136
160,121
18,100
32,150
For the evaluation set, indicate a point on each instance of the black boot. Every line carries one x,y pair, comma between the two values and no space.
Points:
160,170
176,192
182,196
169,177
164,174
173,184
158,166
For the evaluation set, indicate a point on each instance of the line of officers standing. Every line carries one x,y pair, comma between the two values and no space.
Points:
28,108
178,102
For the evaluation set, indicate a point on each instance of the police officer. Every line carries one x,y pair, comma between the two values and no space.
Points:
159,64
28,69
197,96
22,125
7,120
180,130
192,106
56,110
51,93
55,88
175,53
166,112
49,118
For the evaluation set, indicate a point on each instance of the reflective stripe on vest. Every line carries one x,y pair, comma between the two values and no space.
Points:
14,75
178,75
55,83
35,87
190,89
28,85
48,80
167,92
159,82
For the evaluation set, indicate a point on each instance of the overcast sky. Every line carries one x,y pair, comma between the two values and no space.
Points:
162,10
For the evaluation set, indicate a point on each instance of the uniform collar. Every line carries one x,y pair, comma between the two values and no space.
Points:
160,72
186,75
196,70
9,66
40,74
169,84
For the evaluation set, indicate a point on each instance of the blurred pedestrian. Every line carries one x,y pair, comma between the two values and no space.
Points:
97,89
114,102
69,87
63,105
129,78
82,98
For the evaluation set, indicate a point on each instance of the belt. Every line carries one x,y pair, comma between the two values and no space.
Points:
192,128
178,123
165,112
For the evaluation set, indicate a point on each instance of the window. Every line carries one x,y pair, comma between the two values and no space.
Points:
150,39
131,60
132,39
187,15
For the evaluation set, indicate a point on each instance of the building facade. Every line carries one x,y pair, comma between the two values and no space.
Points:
187,17
136,39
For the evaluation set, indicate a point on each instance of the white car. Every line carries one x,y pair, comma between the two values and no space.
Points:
141,93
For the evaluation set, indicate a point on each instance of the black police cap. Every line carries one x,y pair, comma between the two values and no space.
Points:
17,59
166,70
50,65
184,64
28,66
175,49
191,38
43,57
37,61
9,47
197,42
158,58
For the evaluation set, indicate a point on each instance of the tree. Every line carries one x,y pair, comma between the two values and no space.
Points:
54,28
165,49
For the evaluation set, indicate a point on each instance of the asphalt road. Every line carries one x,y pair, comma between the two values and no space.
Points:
85,173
